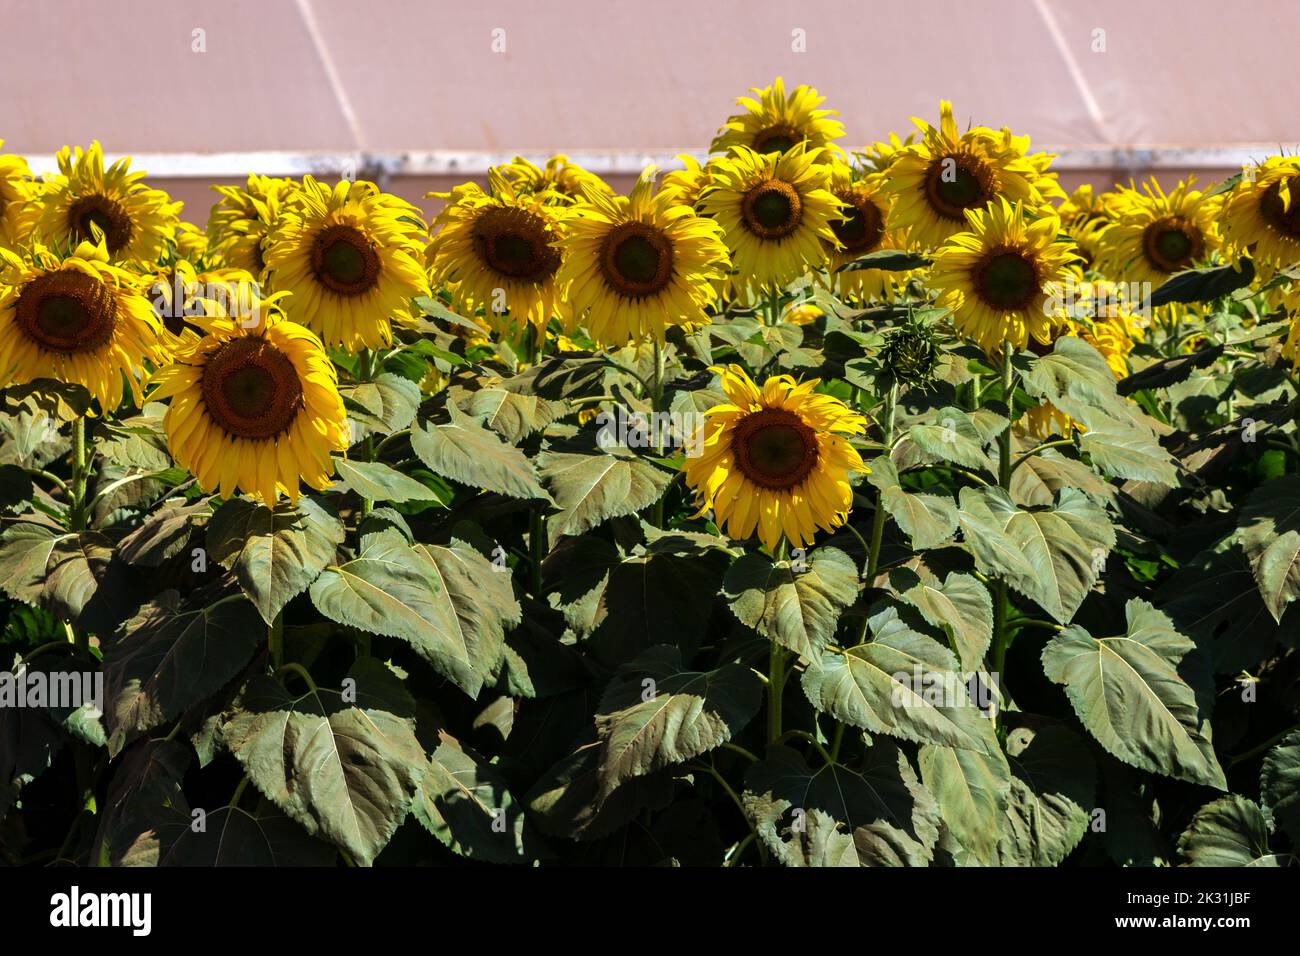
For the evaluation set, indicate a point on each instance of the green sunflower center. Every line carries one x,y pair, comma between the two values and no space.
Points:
774,448
251,389
956,182
772,209
515,243
777,139
107,215
344,260
1284,220
68,312
1006,280
1171,244
862,231
636,259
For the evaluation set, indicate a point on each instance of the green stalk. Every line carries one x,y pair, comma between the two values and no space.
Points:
83,452
776,672
656,406
878,520
1001,633
275,640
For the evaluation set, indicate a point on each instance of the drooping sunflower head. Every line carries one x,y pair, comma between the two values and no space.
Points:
864,229
178,292
77,319
937,180
776,459
776,123
561,183
351,255
636,265
17,190
498,251
84,200
879,156
776,211
686,185
241,219
1001,276
254,406
1156,234
1262,213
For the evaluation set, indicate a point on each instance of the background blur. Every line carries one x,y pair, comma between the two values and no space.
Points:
421,94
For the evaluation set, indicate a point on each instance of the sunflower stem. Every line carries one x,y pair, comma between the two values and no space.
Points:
275,640
1001,632
878,519
776,669
83,452
656,406
536,551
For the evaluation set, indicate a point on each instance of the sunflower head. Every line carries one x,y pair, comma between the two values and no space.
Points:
77,319
636,265
864,229
242,218
911,355
1261,215
938,180
1156,234
686,185
776,459
351,255
498,251
84,202
776,211
561,183
879,156
254,405
17,191
775,123
1000,277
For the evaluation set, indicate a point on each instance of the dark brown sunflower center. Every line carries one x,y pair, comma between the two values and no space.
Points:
774,448
345,260
1006,280
862,231
251,389
1284,220
636,259
515,243
68,312
772,209
1172,244
957,182
777,139
107,215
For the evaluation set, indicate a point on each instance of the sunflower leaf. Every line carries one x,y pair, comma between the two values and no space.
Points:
1230,831
379,482
1270,537
589,489
465,451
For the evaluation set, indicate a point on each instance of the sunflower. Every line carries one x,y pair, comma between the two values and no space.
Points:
561,183
775,459
686,185
879,156
178,291
998,277
16,189
864,230
1262,213
938,179
242,218
76,319
776,211
776,123
636,265
498,251
254,405
84,197
351,257
1156,235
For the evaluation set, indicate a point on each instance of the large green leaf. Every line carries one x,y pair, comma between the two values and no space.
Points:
566,801
972,789
838,816
146,808
449,603
798,609
655,713
164,534
1053,786
346,771
463,450
1127,692
1231,831
464,802
172,655
951,436
900,683
1126,451
275,554
929,520
592,488
1270,536
70,574
233,836
1050,555
1279,785
1076,379
379,482
384,406
961,607
512,415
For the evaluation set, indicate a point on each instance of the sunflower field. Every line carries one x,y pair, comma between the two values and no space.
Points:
810,505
